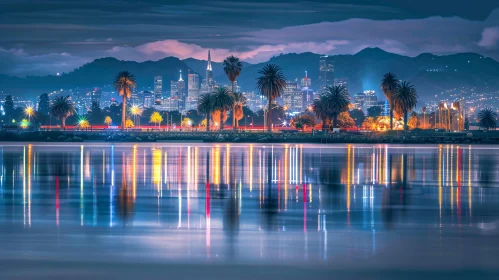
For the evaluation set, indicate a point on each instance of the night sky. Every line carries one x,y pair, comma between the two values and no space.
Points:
49,36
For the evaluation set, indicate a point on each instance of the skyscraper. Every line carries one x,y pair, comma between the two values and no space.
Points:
209,72
358,100
306,82
341,82
192,91
96,96
208,83
177,91
365,100
43,104
158,89
306,96
147,99
371,99
326,71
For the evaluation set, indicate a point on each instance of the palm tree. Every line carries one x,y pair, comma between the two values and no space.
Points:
338,101
205,107
222,100
405,99
271,85
487,118
237,111
124,83
62,108
321,109
233,68
389,85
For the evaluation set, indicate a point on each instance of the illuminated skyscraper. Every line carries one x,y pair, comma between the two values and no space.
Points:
306,96
358,100
306,82
209,72
158,89
208,83
371,99
147,99
96,95
192,91
177,91
326,71
365,100
341,82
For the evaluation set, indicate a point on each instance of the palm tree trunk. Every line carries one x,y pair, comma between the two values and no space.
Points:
233,110
269,116
207,122
405,121
424,119
123,112
324,125
335,119
391,114
222,119
63,119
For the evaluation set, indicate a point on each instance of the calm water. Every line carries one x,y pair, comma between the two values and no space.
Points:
313,206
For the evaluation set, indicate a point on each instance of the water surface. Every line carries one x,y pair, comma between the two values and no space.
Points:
317,207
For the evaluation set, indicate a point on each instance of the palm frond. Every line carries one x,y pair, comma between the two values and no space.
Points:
272,81
232,67
125,83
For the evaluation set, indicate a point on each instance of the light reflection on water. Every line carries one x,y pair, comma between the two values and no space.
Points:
195,202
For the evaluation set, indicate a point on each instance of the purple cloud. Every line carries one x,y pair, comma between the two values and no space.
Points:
490,37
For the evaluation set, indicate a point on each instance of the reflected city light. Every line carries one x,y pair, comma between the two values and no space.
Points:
199,200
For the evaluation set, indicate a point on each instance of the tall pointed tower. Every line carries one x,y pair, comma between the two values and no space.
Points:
209,72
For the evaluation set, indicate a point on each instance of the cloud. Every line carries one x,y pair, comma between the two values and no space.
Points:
161,49
407,37
17,62
490,37
411,37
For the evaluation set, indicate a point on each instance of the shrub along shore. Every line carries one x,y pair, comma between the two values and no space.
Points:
424,137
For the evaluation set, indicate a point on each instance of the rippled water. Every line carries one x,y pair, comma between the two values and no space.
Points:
320,207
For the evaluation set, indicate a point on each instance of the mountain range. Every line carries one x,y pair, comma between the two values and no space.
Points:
431,74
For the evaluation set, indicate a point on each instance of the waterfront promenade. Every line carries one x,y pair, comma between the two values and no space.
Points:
419,137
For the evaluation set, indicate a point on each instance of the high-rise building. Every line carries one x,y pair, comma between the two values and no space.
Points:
326,71
287,93
209,71
341,82
177,90
43,104
192,91
254,101
208,83
306,82
158,89
371,99
306,97
385,108
365,100
358,100
136,98
173,104
147,99
96,96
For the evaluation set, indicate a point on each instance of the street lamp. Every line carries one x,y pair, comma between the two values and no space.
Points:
29,112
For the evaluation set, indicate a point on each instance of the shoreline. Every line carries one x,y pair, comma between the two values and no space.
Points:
250,137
